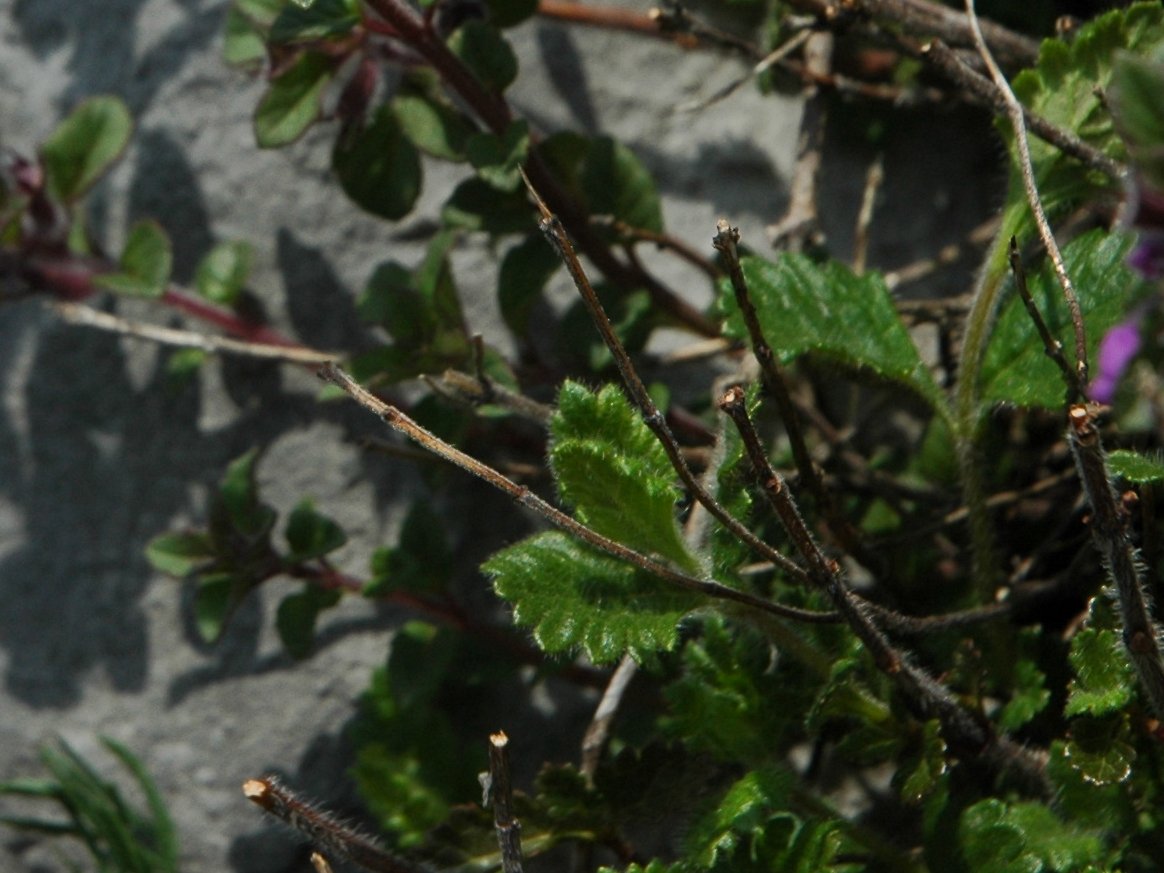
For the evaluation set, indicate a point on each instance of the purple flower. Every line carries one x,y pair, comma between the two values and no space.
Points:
1116,350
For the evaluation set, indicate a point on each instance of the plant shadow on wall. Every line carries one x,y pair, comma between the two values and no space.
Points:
908,635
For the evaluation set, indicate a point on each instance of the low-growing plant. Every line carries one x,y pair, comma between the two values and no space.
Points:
914,634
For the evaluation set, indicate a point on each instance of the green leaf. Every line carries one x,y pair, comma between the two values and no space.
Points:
315,21
434,126
1030,696
525,269
1099,749
222,273
239,497
214,601
311,534
997,837
741,820
617,184
421,560
498,159
476,205
242,43
145,264
1066,87
84,145
574,597
163,835
1090,802
1103,678
1137,84
291,103
378,166
486,53
179,554
1015,369
804,307
1135,467
296,617
262,12
923,776
612,469
507,13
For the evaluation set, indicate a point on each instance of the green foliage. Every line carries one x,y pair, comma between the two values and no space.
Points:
84,145
296,618
222,273
434,126
1103,678
1015,368
312,535
828,311
1135,467
499,159
291,104
576,598
1137,84
487,55
120,837
998,837
610,467
421,561
378,167
310,22
145,264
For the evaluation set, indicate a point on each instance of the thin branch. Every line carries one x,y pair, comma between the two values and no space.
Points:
967,732
475,391
983,91
499,795
1109,528
77,313
652,417
799,229
874,176
401,423
1051,346
1015,111
758,69
324,829
594,741
661,241
772,377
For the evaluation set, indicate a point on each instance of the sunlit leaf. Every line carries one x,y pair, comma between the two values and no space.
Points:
318,20
146,261
222,273
84,145
1103,678
1135,467
291,104
179,554
434,126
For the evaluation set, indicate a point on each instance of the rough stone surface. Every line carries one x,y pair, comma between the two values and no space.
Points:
99,451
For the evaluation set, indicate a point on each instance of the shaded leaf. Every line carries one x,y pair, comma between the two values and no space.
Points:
239,497
829,311
997,836
433,125
486,53
291,103
525,269
378,166
1135,467
1099,749
477,205
1029,699
743,818
1137,84
421,559
84,145
296,617
311,22
145,263
922,776
576,598
498,159
613,470
216,598
507,13
179,554
222,273
1015,368
617,184
311,534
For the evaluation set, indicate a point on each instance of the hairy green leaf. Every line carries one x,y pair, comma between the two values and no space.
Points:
998,837
1066,87
1103,678
318,20
825,309
222,273
576,598
84,145
145,263
433,125
179,554
1030,696
742,820
483,49
1015,369
1135,467
1091,802
378,166
311,534
296,617
291,103
1099,749
610,467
